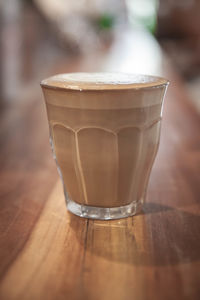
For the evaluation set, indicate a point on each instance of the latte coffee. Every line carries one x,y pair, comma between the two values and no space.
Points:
104,131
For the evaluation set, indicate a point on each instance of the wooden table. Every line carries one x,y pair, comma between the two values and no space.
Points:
48,253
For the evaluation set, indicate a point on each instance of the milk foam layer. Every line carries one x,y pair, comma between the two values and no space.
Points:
94,81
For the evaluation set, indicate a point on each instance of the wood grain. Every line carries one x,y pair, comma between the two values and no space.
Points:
48,253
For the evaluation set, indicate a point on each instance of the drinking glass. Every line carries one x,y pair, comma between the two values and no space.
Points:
104,133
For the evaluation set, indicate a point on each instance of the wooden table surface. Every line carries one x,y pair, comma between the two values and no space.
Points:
48,253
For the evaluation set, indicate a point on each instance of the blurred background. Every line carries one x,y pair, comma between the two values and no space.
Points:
39,38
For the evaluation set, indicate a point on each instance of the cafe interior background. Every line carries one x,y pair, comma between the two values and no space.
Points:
43,37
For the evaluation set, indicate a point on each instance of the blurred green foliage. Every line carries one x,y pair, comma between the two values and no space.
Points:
105,22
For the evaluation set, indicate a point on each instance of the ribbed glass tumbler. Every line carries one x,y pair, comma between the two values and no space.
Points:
104,132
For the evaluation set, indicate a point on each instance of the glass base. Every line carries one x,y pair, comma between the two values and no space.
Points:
102,213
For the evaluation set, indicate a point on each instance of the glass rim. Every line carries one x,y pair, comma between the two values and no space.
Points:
57,82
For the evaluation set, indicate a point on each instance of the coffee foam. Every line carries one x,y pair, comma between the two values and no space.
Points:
95,81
